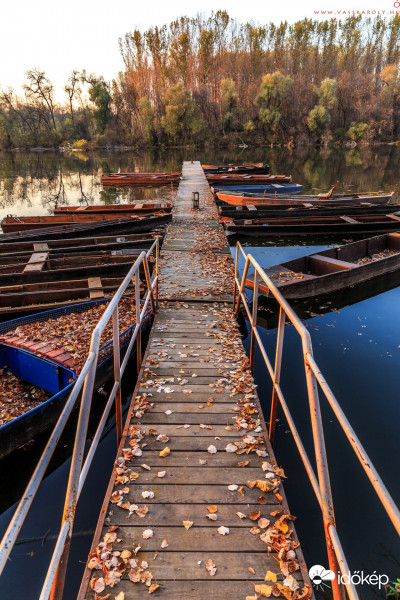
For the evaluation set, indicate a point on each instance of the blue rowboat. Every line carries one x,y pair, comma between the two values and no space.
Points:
273,188
48,374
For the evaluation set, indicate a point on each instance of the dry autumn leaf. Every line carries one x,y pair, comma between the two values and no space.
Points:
264,590
165,452
187,524
210,567
153,587
270,576
212,509
223,530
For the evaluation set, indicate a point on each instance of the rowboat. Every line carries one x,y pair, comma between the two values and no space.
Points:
124,225
39,267
239,169
89,244
239,191
11,223
303,200
325,225
40,371
136,209
139,179
251,211
336,268
232,179
29,297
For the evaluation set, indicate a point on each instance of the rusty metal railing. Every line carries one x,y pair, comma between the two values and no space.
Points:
321,481
54,583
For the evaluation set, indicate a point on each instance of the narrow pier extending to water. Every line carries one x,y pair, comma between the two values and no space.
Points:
191,504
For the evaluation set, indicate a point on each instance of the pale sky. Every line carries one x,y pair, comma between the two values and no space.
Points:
60,36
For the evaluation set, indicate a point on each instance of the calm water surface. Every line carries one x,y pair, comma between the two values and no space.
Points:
356,339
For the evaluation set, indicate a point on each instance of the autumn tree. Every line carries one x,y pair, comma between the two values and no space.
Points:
274,88
182,121
319,117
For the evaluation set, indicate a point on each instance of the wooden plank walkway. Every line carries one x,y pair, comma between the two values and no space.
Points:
195,508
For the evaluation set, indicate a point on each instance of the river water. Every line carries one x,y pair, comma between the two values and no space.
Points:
356,340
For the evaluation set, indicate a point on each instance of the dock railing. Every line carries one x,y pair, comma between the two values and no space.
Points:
54,582
314,380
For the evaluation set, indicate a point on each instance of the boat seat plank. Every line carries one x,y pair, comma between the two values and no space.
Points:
36,262
324,264
391,216
41,247
95,288
349,220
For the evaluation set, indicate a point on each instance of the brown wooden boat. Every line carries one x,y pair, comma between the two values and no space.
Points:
305,200
52,294
239,169
40,267
336,268
136,209
241,179
345,224
88,244
139,179
12,224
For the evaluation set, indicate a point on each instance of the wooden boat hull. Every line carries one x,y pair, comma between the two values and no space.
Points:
30,297
139,179
83,245
115,209
281,211
95,228
12,224
334,269
225,179
236,169
240,200
344,225
114,266
47,374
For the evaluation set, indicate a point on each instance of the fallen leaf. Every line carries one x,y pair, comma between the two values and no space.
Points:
98,584
270,576
120,596
153,587
142,511
211,449
148,533
161,473
231,448
164,544
233,487
264,590
244,463
211,568
187,524
164,452
251,570
254,515
212,509
212,517
223,530
241,515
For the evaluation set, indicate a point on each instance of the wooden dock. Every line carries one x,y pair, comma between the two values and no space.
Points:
195,508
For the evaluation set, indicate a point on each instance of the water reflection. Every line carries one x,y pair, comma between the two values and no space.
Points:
32,183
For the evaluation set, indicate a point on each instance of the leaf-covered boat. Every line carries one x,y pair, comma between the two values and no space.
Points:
251,169
49,366
336,268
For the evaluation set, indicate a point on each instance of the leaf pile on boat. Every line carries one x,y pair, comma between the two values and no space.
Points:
376,256
17,397
279,277
72,333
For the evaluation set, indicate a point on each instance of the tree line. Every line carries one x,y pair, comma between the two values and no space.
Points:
213,80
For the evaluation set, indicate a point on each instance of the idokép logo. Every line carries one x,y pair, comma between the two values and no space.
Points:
321,578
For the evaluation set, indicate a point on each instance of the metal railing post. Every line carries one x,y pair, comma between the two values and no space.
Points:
321,459
75,471
138,322
117,374
253,320
277,374
236,273
157,269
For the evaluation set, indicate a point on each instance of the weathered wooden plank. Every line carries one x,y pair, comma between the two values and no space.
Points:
177,459
193,474
195,430
193,408
177,418
196,494
172,515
